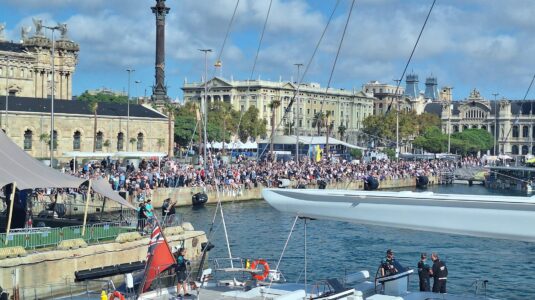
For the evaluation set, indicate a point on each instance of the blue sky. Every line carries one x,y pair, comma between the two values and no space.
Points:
483,44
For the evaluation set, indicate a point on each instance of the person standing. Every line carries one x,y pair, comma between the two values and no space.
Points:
424,273
440,274
387,265
181,271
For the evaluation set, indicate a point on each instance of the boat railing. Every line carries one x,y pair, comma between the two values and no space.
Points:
90,289
478,287
241,265
41,237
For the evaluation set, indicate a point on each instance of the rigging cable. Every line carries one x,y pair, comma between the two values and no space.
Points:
410,57
287,110
253,68
517,119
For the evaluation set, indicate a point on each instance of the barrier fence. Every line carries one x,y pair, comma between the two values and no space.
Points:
40,237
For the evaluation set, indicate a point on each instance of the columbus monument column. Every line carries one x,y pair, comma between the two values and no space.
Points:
159,90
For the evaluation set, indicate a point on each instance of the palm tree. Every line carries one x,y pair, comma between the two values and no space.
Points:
107,144
318,121
132,142
93,105
44,138
160,143
273,105
342,130
328,128
170,111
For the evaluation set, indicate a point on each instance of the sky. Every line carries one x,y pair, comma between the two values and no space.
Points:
467,44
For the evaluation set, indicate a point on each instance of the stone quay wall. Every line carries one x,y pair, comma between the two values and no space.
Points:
182,196
47,274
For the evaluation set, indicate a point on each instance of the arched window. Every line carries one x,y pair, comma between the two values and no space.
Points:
515,132
533,132
525,131
474,126
98,141
465,127
76,141
533,150
120,141
484,127
455,128
514,149
525,150
28,134
140,141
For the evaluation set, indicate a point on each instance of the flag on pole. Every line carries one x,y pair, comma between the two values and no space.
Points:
159,257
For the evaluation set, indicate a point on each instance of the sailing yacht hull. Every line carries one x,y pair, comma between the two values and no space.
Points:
484,216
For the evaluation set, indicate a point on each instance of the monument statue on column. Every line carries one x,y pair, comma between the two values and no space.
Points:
159,90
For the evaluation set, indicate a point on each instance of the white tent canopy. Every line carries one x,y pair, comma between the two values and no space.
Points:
28,173
309,140
234,145
114,154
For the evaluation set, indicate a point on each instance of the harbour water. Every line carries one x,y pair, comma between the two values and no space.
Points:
335,248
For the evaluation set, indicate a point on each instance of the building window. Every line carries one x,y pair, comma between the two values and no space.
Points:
55,139
28,134
514,149
533,150
76,140
525,150
533,132
120,141
140,141
525,131
98,141
515,132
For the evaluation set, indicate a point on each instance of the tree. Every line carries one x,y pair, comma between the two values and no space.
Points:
273,105
433,140
356,153
103,97
318,121
328,127
107,144
44,138
160,142
93,105
471,141
132,142
342,131
185,123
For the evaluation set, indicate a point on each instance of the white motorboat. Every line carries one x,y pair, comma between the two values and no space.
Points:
474,215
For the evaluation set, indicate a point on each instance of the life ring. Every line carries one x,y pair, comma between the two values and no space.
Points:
116,295
265,265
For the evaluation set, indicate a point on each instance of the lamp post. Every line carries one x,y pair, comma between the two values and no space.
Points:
203,106
495,120
449,127
7,92
297,113
52,136
129,70
137,82
397,119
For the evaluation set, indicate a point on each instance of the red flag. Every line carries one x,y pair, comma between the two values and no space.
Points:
159,257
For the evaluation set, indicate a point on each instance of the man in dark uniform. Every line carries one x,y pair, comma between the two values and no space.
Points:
424,272
440,274
387,264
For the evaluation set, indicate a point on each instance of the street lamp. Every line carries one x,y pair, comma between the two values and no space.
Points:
449,128
129,70
52,137
297,114
203,106
137,82
495,120
7,92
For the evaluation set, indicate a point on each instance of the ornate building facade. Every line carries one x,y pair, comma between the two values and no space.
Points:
510,122
25,103
349,108
26,66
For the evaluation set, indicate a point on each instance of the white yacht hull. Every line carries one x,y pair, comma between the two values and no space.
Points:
484,216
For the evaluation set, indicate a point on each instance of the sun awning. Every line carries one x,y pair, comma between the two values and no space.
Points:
102,187
18,166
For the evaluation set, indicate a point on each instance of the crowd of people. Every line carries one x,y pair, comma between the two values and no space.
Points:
137,182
